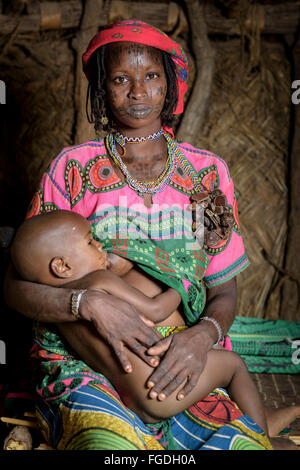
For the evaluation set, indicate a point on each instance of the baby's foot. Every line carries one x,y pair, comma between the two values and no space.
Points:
278,419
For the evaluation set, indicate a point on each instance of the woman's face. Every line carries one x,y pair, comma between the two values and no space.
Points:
136,84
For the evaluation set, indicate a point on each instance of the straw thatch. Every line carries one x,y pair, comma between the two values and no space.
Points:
248,125
38,70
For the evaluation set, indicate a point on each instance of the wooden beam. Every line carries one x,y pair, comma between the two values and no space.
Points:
193,117
20,422
163,15
277,19
70,13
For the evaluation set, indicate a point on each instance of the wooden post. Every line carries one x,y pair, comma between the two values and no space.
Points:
192,120
290,305
88,28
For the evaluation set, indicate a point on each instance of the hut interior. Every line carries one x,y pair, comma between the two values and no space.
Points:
244,61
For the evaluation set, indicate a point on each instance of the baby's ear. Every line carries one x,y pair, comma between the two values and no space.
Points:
60,268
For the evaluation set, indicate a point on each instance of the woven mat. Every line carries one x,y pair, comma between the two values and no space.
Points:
278,391
267,346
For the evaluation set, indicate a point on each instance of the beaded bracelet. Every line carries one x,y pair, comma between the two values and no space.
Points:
218,328
75,303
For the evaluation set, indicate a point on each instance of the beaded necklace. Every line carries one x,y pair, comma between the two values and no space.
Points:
122,140
146,187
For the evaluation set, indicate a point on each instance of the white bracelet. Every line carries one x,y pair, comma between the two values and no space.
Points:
219,330
75,303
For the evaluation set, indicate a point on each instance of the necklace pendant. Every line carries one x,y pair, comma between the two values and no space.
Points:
148,201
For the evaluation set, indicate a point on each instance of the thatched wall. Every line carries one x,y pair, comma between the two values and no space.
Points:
38,70
247,123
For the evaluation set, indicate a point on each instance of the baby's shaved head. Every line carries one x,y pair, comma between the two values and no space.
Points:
41,238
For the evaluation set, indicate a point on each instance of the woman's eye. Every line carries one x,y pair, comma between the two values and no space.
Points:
152,75
90,242
120,80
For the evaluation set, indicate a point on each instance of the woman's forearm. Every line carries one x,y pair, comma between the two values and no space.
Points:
36,301
116,321
221,305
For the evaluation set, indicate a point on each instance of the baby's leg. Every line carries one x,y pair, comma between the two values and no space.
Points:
132,386
280,418
242,390
223,369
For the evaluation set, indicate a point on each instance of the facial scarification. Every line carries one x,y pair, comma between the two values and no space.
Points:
136,87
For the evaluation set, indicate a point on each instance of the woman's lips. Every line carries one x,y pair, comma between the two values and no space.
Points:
139,111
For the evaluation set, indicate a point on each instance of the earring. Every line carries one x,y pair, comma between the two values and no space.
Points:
104,119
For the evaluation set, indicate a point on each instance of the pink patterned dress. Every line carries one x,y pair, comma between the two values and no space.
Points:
82,179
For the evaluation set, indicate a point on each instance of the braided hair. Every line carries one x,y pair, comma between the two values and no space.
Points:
96,93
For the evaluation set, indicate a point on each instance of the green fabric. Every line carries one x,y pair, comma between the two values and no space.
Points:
172,262
267,346
165,427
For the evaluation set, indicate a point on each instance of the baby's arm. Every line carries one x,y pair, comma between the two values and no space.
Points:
156,308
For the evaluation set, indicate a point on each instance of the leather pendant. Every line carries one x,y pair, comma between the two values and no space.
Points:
147,200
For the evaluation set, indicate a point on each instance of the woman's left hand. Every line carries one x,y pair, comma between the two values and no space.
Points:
184,359
183,355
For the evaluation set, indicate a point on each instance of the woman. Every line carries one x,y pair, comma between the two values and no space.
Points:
130,194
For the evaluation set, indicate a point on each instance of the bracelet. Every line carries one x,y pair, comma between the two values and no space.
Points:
218,328
75,303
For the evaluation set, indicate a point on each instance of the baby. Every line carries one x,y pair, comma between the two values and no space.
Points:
57,248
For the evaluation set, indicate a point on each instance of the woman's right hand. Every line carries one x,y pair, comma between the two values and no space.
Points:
120,324
117,322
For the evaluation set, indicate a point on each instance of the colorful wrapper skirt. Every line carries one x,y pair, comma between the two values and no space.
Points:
79,409
94,418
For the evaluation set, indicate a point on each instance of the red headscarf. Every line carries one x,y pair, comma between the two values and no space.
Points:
142,33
